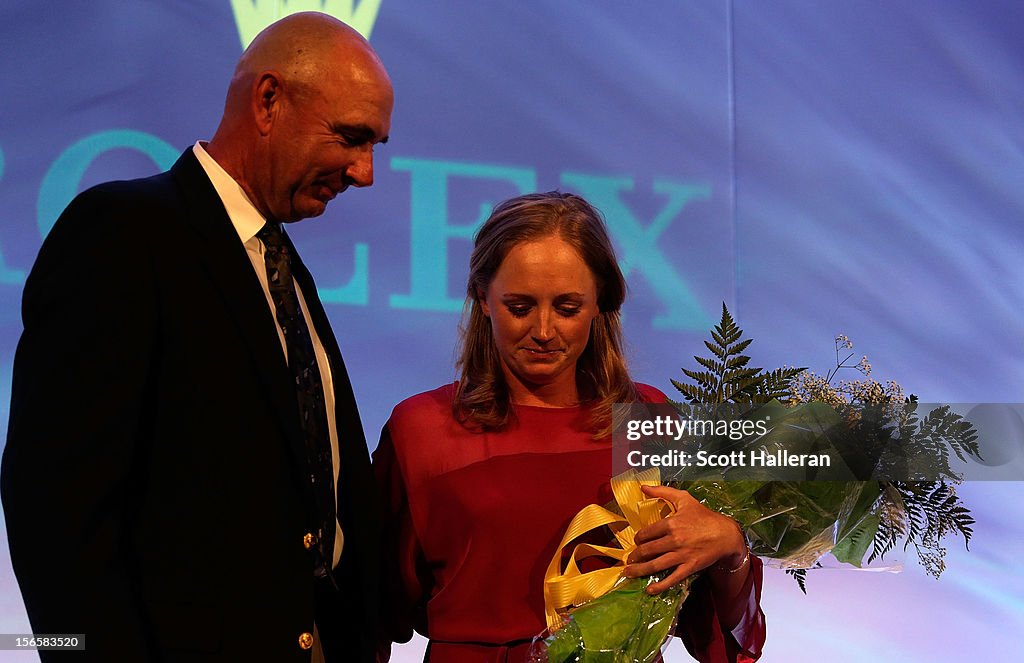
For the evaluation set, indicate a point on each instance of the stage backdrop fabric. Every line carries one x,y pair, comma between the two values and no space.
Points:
823,168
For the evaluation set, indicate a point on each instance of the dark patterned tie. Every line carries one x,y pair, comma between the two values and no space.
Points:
308,388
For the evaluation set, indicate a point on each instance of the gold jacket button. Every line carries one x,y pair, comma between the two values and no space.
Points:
308,541
306,640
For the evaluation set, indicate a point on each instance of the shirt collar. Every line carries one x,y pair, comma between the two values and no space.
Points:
244,216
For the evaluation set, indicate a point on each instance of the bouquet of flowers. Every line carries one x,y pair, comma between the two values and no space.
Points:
896,484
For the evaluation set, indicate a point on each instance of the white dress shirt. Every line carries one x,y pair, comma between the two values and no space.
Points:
248,221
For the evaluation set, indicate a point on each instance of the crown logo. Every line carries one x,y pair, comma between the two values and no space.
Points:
252,16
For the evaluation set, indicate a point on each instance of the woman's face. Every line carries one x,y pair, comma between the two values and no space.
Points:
541,303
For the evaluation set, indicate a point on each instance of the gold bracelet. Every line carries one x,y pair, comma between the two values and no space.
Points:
746,558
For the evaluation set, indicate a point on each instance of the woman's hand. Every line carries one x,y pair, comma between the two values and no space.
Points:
691,540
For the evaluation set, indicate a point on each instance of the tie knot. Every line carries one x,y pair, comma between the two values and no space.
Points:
271,234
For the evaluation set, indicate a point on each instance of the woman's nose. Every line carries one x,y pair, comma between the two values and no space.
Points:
543,329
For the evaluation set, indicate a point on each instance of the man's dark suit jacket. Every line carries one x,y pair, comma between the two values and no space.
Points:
154,480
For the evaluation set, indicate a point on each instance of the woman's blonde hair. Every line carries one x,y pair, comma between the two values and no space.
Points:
481,397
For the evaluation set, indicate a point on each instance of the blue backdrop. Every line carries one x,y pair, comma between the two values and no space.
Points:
823,168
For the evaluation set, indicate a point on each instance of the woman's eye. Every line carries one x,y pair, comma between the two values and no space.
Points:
518,311
569,311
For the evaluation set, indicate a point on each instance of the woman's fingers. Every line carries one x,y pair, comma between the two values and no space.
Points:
680,574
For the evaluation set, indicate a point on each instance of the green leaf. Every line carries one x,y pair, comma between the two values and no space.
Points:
852,549
800,575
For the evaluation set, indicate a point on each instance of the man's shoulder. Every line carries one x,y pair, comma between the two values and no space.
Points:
122,197
157,190
128,209
112,215
115,223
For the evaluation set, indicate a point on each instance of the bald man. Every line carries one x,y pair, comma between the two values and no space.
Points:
185,477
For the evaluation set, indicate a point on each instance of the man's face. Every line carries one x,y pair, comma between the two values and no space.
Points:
322,139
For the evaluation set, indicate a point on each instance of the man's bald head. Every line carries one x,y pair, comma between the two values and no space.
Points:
307,88
304,47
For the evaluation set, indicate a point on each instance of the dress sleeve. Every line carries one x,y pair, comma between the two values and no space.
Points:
403,577
707,639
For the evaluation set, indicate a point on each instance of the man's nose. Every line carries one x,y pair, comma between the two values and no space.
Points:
360,172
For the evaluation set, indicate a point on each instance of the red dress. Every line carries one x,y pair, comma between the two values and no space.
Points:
473,519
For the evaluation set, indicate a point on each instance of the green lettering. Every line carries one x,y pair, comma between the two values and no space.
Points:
430,230
62,180
639,245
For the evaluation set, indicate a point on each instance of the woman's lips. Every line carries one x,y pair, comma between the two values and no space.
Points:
541,354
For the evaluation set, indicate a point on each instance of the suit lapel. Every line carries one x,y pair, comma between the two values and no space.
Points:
231,272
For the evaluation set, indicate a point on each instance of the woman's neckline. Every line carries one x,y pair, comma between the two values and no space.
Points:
551,408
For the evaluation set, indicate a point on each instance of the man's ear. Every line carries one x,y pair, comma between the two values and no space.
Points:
481,299
266,100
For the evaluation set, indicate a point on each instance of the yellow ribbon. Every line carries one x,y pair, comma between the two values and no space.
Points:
567,588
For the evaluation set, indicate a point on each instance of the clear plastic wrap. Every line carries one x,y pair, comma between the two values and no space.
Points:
626,625
869,470
883,474
792,524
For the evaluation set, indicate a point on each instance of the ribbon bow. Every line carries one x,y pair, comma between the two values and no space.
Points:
569,587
